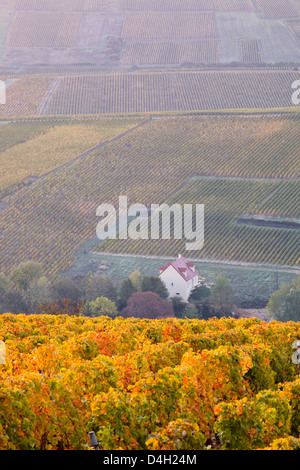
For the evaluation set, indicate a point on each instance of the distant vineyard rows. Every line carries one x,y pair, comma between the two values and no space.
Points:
124,92
224,202
50,219
131,5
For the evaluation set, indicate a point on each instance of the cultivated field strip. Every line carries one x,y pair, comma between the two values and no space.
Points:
250,51
159,91
168,25
26,94
50,144
133,5
172,52
51,29
99,32
277,9
224,202
294,26
283,202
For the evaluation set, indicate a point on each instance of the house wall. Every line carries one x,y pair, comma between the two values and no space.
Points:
191,284
175,283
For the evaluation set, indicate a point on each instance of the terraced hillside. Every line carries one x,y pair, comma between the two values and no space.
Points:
258,174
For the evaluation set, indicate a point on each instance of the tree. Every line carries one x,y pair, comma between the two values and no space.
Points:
37,293
4,289
221,297
178,306
98,285
126,291
102,306
199,293
25,273
200,296
284,303
136,279
147,305
4,285
65,288
14,302
154,284
191,312
184,309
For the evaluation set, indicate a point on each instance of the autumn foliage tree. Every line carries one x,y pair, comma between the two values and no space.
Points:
101,306
284,303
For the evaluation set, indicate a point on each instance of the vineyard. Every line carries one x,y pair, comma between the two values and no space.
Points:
75,33
250,51
161,101
148,384
51,29
58,212
140,92
233,5
277,9
289,193
168,25
171,52
50,145
133,5
294,26
25,96
224,201
62,5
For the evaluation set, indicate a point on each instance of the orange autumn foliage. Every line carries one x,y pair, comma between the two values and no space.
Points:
147,383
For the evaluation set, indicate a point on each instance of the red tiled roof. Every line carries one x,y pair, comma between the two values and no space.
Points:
183,267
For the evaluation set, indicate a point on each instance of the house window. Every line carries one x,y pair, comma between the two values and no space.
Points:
172,283
177,293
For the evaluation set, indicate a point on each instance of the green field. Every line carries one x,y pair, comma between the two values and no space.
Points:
252,285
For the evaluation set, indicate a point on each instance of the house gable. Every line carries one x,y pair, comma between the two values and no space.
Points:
180,277
171,272
174,282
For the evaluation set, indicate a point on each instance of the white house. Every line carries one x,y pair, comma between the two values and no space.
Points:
179,277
